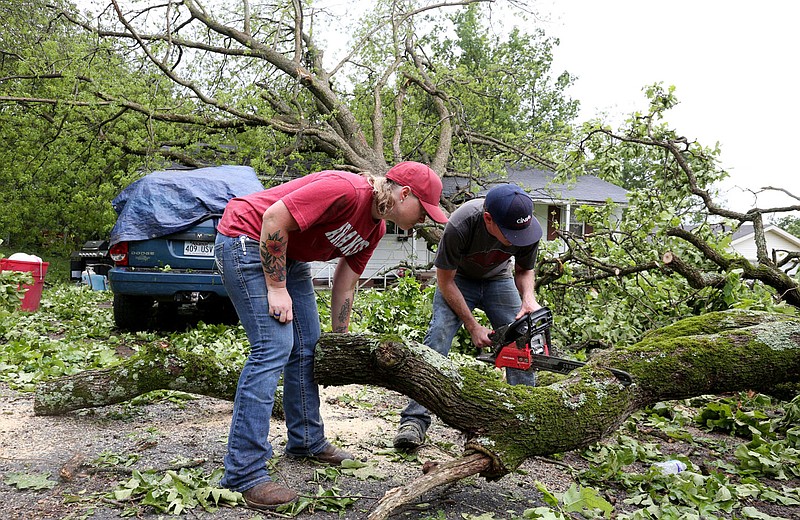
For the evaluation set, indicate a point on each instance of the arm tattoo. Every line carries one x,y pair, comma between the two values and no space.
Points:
273,256
344,314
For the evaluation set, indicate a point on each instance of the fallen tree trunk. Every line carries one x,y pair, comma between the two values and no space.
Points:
154,367
715,353
504,425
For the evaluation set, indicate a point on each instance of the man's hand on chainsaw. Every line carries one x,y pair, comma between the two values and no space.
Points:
480,336
527,308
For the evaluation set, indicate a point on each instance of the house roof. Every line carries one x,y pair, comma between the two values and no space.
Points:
540,185
745,232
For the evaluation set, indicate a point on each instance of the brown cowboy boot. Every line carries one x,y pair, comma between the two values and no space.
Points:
268,495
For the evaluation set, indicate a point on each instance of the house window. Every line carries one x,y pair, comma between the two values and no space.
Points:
575,227
392,229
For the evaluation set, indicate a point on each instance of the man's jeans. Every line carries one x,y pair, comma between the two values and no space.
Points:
274,348
499,299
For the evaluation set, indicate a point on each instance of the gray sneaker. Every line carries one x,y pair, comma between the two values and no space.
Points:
410,436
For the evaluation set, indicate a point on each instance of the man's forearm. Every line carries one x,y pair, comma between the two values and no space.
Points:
455,300
526,286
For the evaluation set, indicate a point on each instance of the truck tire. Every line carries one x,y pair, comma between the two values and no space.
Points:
132,312
228,314
167,317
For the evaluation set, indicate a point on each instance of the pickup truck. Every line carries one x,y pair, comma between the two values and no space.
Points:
162,246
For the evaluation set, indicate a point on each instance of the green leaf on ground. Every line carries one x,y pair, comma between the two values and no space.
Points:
30,480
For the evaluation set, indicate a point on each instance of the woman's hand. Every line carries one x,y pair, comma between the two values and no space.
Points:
280,304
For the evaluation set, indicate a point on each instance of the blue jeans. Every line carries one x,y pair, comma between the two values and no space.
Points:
275,348
499,299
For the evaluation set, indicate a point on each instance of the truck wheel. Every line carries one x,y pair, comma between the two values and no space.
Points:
132,312
228,314
167,316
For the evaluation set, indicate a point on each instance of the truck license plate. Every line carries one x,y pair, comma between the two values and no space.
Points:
191,248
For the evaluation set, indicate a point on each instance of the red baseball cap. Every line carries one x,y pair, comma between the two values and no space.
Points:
424,184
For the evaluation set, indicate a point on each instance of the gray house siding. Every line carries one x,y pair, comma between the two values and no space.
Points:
554,202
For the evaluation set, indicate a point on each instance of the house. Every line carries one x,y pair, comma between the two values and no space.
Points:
554,202
397,252
554,207
779,242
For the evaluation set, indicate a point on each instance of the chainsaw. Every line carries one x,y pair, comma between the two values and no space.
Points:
525,343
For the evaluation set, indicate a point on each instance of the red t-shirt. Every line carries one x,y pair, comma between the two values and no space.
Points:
332,208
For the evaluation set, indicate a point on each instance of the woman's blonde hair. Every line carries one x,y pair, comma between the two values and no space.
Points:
382,189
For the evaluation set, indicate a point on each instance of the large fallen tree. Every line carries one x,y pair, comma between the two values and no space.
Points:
504,425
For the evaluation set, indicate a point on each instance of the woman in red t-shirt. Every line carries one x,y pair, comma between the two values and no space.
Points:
264,243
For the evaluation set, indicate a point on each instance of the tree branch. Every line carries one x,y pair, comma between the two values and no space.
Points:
505,425
695,278
766,271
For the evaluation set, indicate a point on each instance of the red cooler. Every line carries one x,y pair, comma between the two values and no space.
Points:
33,293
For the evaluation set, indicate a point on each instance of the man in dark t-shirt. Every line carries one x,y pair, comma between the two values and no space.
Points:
474,269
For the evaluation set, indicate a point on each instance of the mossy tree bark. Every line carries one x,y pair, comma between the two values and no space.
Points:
504,425
714,353
153,367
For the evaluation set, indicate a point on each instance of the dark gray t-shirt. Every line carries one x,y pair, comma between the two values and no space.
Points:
467,247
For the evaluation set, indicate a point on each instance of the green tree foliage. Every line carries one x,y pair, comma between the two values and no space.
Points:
98,99
491,98
790,224
90,100
504,87
59,164
666,257
12,290
76,126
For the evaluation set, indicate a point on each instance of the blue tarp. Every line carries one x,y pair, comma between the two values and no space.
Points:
166,202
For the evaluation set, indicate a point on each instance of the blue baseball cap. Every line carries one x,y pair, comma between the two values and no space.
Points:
512,210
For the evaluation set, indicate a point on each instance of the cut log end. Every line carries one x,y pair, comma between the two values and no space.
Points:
435,476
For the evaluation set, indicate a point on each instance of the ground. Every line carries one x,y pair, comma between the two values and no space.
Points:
362,420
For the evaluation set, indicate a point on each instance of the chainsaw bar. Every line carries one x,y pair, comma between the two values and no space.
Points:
524,359
565,366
